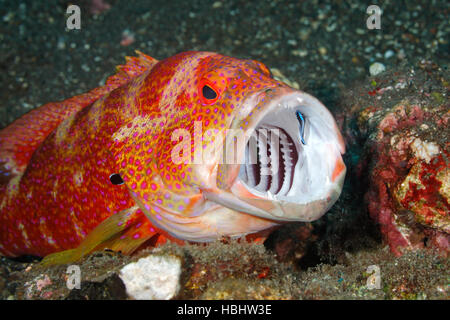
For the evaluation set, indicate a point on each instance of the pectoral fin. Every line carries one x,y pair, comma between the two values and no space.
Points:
124,231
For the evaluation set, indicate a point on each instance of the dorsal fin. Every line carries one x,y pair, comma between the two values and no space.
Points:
134,67
21,138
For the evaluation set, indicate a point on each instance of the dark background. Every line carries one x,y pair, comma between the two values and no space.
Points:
323,45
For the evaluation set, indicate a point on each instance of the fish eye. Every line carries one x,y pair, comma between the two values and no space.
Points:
116,179
208,92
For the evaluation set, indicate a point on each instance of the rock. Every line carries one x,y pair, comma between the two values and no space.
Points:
98,279
152,278
402,120
105,275
376,68
110,288
389,54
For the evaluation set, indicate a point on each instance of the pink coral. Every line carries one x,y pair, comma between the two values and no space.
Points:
406,159
404,196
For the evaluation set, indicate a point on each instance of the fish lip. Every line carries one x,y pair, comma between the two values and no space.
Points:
263,203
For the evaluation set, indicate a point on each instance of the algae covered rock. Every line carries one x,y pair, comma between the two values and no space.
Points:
401,119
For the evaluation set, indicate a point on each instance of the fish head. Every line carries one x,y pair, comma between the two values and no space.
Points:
216,129
266,149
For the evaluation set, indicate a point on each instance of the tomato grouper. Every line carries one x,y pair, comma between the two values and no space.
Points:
196,147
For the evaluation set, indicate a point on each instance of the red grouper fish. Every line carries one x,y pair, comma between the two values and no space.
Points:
196,147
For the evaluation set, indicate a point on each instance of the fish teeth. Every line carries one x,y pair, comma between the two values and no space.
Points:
275,160
264,161
250,161
268,166
285,154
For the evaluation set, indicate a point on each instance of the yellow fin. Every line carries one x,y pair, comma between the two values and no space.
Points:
128,241
106,232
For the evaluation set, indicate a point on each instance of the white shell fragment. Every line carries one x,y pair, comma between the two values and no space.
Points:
152,278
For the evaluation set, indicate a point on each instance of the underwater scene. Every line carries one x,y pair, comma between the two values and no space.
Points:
224,150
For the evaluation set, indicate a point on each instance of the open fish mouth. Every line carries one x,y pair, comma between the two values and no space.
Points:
291,168
270,160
